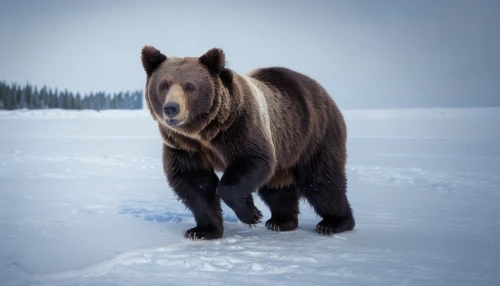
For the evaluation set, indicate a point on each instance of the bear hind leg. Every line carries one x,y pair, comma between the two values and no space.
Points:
327,195
284,205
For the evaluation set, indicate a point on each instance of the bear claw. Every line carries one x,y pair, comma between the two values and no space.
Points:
335,225
249,216
201,233
277,224
322,229
273,226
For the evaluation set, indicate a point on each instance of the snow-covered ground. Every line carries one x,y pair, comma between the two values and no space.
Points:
83,201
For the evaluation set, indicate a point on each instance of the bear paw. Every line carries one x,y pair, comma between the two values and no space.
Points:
204,232
281,224
249,215
335,225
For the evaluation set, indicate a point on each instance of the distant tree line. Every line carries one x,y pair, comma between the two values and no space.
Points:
15,96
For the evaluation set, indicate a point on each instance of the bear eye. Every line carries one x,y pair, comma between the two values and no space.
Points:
189,87
164,86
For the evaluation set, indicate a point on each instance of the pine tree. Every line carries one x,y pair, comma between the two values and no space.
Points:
55,99
107,103
77,101
60,100
43,97
100,100
18,97
22,100
6,98
70,100
12,98
36,98
84,102
28,93
12,95
2,91
65,98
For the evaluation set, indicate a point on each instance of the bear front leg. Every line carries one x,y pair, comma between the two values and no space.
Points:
242,177
195,186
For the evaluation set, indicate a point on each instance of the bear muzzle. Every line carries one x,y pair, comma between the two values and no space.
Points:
170,111
174,108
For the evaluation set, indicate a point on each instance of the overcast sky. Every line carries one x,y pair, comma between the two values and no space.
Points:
368,54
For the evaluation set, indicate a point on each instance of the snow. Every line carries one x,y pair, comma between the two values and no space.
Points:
83,201
62,113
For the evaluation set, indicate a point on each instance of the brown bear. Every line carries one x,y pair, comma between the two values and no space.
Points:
273,130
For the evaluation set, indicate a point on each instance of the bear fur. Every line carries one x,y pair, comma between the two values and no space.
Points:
273,130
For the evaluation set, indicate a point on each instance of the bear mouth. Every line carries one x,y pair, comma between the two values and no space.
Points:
173,122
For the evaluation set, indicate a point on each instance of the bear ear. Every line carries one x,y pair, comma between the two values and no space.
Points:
226,75
151,58
214,59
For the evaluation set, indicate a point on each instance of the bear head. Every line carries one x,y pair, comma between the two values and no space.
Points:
185,94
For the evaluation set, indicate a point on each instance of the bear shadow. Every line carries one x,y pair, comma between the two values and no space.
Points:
163,216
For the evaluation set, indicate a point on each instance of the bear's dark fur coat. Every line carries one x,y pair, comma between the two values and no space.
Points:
273,130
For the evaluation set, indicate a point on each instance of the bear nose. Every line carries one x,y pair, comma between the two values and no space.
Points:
171,109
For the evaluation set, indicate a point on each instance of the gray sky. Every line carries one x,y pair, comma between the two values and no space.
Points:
368,54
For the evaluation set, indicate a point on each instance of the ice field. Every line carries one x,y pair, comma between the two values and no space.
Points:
83,201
